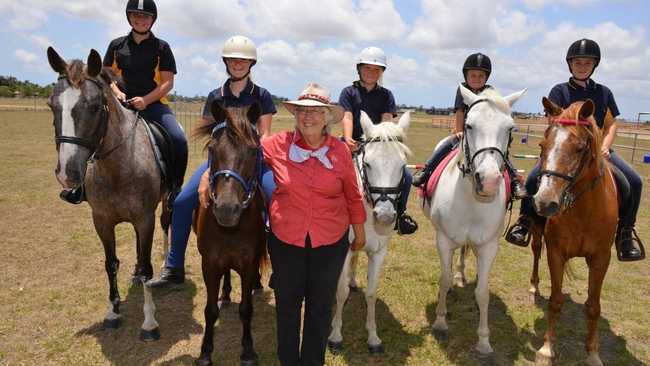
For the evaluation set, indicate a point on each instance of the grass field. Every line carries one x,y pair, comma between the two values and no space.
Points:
53,288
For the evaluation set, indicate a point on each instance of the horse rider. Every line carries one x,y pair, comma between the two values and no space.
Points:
583,56
147,67
476,72
239,54
368,95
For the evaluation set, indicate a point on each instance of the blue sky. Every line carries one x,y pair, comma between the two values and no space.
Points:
302,41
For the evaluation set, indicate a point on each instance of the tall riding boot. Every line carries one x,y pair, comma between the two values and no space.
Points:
519,233
421,177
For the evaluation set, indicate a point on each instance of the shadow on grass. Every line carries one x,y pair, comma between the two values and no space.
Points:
508,342
571,336
397,341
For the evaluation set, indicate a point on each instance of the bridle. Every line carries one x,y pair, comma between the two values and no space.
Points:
466,165
249,186
568,197
368,189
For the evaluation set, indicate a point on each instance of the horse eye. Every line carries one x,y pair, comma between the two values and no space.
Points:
367,166
469,127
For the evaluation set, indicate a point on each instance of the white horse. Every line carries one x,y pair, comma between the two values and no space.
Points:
380,163
469,204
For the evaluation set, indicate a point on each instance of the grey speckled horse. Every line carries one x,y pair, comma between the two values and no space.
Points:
106,148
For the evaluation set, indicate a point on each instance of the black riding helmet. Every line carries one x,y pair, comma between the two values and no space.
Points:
477,61
586,48
143,7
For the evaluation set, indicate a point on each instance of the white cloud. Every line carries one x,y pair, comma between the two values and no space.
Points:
26,57
538,4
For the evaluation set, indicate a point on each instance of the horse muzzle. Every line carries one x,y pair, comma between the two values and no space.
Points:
227,215
486,187
547,208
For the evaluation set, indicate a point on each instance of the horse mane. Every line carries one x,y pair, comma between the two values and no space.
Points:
391,132
495,98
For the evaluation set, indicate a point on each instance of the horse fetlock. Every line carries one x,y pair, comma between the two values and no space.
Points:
593,359
483,346
440,323
203,360
545,355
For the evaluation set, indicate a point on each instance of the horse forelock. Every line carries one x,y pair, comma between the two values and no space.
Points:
495,99
240,128
76,73
390,132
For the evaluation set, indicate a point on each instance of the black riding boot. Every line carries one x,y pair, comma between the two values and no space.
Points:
74,196
628,245
519,233
169,276
421,177
405,224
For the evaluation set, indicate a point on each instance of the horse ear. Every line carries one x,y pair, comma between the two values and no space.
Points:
586,110
254,112
94,64
366,123
551,108
218,111
405,121
514,97
56,62
468,96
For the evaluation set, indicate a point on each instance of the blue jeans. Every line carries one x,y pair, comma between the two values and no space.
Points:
162,114
627,213
406,189
184,206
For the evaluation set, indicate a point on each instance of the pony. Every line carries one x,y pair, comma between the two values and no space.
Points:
577,195
106,149
469,204
230,232
379,163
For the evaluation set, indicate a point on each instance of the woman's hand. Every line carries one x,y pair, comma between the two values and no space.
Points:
359,237
138,103
459,134
351,143
605,151
204,189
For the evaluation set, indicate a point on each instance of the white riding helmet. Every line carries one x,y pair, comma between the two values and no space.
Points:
372,56
240,47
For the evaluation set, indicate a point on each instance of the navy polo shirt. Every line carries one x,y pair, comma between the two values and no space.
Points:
140,65
250,95
565,94
355,98
459,103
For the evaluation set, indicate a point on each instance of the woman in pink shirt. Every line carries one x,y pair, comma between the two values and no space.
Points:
316,200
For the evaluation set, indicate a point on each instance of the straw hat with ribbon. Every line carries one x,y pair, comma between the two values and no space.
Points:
315,95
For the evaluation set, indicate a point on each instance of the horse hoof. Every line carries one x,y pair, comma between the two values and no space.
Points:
543,360
111,324
150,335
251,362
377,349
440,335
203,361
354,288
335,347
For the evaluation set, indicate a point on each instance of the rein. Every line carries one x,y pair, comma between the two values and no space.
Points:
567,197
368,190
248,186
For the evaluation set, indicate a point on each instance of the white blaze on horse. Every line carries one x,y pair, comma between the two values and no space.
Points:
469,203
379,163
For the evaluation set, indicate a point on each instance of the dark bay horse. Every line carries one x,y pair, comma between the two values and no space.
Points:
230,233
105,147
578,196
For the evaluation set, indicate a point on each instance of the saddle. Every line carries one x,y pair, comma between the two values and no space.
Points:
163,150
432,183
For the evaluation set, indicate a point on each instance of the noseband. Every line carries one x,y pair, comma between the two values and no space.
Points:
467,166
568,197
248,186
368,189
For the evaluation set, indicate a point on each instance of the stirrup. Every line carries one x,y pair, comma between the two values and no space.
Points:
523,222
408,226
634,237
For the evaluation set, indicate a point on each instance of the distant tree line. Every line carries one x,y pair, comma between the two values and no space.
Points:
12,87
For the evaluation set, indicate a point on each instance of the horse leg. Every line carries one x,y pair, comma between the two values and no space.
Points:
353,272
211,312
144,231
445,252
165,223
335,339
536,246
375,262
248,356
106,232
556,265
257,286
225,300
459,277
486,254
597,270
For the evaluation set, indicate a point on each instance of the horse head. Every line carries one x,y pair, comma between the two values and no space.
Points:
380,163
78,103
571,145
235,160
486,139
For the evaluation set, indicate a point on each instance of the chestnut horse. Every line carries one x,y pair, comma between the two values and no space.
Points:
578,196
230,232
